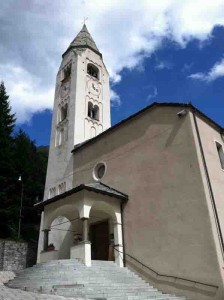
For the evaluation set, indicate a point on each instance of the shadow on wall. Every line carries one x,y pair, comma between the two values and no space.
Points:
169,124
61,236
170,285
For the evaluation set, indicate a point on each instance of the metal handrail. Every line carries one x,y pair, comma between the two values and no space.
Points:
163,275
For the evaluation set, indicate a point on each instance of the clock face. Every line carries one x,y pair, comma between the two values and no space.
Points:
65,89
94,87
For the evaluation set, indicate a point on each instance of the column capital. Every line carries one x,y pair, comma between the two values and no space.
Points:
117,223
83,219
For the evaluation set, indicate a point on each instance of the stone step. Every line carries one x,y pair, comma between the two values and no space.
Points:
70,278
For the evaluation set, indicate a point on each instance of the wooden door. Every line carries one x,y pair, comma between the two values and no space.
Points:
100,240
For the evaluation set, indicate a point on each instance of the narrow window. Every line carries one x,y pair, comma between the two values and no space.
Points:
90,110
61,188
64,112
52,192
61,137
96,113
93,71
221,154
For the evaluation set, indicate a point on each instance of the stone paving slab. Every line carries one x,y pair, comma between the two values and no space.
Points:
16,294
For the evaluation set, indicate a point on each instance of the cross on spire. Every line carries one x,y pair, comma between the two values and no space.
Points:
84,20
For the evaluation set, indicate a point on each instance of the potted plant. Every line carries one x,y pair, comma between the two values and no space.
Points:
50,247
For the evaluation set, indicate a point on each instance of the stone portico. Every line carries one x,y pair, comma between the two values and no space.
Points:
83,223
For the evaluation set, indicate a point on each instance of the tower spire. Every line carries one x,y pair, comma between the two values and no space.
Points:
84,40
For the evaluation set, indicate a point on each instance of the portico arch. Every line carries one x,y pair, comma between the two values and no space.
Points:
86,204
67,210
61,236
61,224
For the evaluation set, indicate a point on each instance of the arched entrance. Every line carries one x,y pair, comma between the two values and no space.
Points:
101,232
85,220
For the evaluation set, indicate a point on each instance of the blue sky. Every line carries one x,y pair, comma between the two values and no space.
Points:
163,77
162,50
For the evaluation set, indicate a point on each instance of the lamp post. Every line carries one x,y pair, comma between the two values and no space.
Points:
21,206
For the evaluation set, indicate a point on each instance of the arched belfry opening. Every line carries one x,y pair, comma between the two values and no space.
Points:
96,112
93,71
93,111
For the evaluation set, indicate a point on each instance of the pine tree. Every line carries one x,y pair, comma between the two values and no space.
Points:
7,123
19,156
31,165
7,119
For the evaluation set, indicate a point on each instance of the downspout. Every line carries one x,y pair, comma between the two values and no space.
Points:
122,226
209,186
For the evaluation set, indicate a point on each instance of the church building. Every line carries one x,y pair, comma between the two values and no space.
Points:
146,193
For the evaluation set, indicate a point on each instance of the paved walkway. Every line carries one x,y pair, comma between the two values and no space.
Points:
15,294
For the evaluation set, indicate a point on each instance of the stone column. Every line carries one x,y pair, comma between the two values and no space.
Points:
46,237
85,229
82,250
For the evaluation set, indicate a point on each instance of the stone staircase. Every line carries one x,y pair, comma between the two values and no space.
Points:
70,278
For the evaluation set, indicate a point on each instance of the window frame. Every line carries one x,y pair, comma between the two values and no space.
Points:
220,151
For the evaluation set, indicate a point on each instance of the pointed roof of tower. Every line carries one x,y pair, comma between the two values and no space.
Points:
84,40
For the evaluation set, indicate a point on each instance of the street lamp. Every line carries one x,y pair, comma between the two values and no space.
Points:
21,206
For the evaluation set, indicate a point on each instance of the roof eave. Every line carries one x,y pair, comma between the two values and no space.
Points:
123,197
153,105
81,47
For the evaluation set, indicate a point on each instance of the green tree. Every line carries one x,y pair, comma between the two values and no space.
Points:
19,156
30,164
7,175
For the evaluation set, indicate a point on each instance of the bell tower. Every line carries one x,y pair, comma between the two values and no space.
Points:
81,108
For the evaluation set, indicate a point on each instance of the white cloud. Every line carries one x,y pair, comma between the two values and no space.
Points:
152,93
34,35
162,65
216,71
115,98
187,67
26,98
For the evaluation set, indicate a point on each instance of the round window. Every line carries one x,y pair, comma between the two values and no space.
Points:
99,171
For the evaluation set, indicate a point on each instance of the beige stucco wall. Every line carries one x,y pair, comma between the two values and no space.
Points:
209,135
167,225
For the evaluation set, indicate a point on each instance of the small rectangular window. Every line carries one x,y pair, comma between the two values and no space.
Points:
221,154
52,192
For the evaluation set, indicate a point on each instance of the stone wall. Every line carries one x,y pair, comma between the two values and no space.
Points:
13,255
1,254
